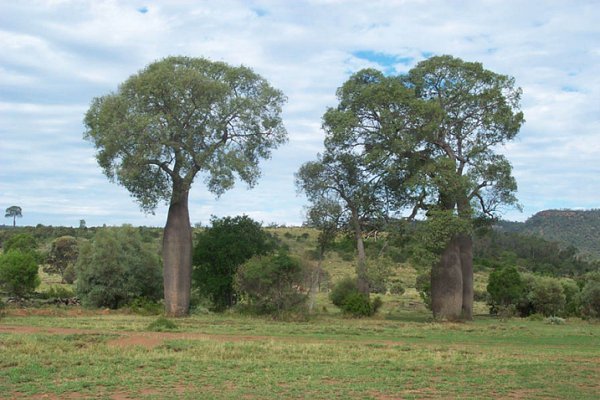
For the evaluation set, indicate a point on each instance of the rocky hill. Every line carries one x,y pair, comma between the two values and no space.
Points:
578,228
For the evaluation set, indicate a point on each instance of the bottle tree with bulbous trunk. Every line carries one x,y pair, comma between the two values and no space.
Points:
432,136
177,119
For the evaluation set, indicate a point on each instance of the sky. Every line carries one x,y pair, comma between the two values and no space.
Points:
57,55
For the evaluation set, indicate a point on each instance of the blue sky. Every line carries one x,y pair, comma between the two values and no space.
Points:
59,54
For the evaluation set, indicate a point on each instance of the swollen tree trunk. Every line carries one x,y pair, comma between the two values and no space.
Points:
466,261
177,256
447,284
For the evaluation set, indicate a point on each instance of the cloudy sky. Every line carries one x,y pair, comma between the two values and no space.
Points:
56,55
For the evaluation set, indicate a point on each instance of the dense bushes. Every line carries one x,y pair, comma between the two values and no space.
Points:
530,294
220,250
271,284
505,287
346,296
116,268
18,273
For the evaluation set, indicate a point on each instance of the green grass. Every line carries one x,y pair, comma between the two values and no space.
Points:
395,355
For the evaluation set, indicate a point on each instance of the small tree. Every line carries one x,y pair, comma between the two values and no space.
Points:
116,268
14,212
219,252
63,255
505,287
18,273
271,284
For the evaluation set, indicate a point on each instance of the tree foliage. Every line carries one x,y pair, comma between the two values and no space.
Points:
220,250
117,267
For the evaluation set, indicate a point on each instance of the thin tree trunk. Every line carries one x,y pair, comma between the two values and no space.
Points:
177,256
466,261
361,268
447,284
315,276
363,280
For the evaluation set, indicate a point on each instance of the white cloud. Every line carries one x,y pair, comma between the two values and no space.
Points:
58,55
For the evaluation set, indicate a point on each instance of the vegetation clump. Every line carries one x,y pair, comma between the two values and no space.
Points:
18,273
351,301
116,268
273,285
162,324
220,250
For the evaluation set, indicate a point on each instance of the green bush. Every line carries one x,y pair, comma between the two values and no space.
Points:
116,268
18,273
505,287
219,252
346,296
342,290
590,299
270,284
547,296
357,305
162,324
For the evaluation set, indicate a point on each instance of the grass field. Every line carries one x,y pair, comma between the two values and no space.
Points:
54,353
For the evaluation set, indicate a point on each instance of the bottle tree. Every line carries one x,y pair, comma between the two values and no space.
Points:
434,135
178,118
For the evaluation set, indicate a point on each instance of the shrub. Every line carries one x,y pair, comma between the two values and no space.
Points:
397,288
346,296
547,296
117,267
357,304
590,299
342,290
219,252
18,273
271,284
162,324
505,287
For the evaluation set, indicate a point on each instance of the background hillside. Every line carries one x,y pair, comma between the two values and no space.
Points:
580,229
